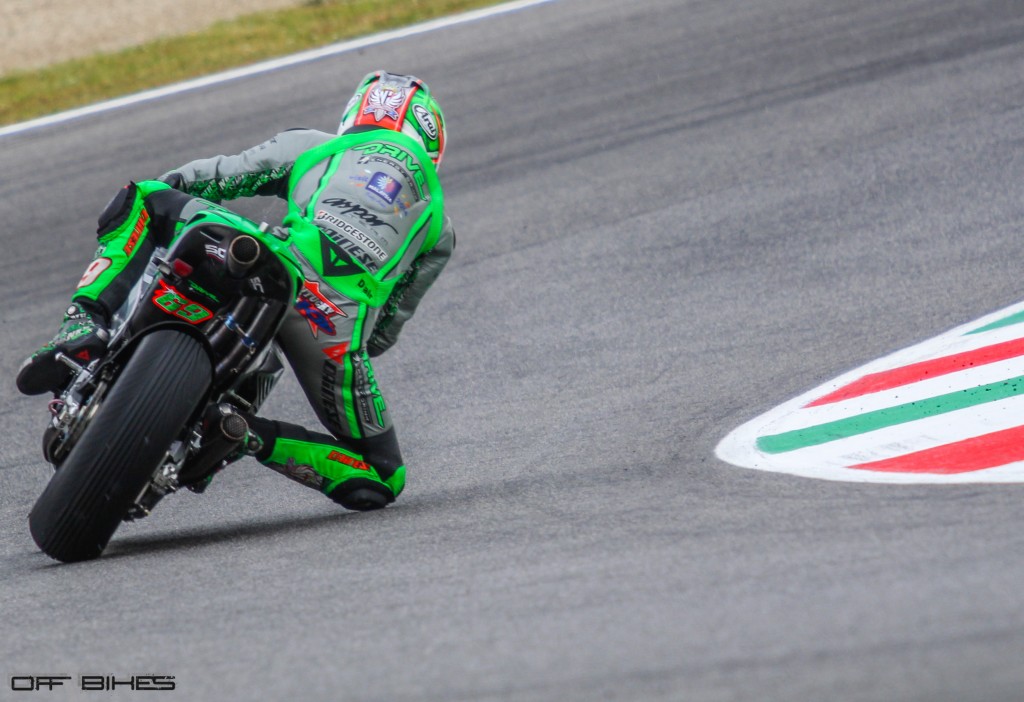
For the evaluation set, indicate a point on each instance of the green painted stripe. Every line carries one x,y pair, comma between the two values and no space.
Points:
1016,318
890,416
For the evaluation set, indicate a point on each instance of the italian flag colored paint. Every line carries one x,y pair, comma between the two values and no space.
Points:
949,410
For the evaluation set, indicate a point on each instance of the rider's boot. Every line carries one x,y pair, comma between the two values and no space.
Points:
332,466
82,337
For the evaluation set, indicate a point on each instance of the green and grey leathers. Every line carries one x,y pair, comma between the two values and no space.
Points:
367,223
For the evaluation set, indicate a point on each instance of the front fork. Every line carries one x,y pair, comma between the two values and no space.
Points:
73,409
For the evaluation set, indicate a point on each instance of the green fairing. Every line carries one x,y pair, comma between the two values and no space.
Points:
115,245
215,214
367,288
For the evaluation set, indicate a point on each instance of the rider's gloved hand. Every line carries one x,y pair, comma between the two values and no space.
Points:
175,180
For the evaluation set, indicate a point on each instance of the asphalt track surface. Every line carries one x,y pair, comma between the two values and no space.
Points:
672,216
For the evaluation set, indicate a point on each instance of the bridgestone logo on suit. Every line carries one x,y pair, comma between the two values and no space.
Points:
360,236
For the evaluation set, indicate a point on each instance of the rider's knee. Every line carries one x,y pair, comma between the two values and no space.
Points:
361,494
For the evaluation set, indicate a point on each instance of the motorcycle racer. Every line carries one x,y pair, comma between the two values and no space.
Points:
365,220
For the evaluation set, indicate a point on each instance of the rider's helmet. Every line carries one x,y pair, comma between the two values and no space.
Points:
400,103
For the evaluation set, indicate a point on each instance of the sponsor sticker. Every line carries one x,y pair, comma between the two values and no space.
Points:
384,186
341,226
137,230
425,120
318,311
340,457
216,252
385,100
167,298
337,352
345,207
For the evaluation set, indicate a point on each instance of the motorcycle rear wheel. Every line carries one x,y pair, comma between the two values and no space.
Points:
160,388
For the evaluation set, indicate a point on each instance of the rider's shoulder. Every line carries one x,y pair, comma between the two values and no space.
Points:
297,140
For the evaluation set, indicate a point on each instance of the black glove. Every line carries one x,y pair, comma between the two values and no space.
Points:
175,180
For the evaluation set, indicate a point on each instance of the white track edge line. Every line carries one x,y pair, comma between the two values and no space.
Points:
271,65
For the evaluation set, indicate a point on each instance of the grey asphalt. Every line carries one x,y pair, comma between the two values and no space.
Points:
671,216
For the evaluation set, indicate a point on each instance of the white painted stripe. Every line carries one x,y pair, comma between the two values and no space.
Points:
794,415
920,434
272,65
799,417
954,342
830,460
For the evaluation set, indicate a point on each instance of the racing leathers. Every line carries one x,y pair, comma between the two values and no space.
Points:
366,221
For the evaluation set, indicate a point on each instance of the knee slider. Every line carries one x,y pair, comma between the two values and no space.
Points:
362,495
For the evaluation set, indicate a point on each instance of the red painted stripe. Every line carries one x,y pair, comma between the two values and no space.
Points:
976,453
905,375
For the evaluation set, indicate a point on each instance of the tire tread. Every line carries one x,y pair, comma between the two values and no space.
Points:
85,501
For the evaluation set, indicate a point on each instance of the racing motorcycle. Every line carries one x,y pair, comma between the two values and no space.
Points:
191,352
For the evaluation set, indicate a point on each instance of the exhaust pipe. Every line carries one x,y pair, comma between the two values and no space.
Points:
243,252
234,427
226,433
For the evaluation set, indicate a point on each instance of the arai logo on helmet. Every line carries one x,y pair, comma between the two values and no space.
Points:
425,120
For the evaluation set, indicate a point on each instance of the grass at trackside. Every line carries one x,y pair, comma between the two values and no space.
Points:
227,44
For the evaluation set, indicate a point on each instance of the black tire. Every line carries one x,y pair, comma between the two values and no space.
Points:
160,388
